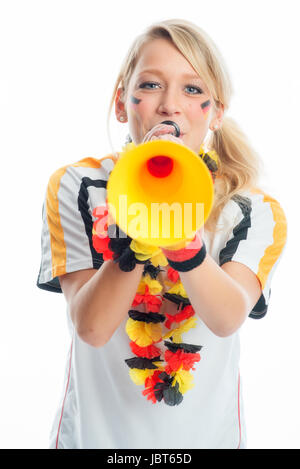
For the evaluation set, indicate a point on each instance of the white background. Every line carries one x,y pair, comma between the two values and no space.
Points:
59,61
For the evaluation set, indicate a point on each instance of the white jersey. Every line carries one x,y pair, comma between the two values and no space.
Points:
100,406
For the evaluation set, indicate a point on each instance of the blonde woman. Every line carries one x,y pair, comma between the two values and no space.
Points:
154,354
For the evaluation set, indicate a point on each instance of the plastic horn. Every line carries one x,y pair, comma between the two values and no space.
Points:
160,193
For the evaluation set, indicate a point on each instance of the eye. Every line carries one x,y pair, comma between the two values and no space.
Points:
149,85
195,89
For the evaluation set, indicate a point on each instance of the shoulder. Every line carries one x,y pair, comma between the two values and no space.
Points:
255,206
74,173
263,210
78,186
252,222
84,180
257,231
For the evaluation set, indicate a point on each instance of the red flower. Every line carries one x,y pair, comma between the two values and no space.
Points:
152,301
100,225
185,313
101,246
150,382
175,360
173,275
146,352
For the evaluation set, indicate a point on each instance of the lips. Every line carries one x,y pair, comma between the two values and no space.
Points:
169,129
164,128
175,125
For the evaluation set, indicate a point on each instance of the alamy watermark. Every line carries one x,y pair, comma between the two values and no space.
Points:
159,221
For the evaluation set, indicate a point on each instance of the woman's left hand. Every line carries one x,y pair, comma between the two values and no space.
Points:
189,256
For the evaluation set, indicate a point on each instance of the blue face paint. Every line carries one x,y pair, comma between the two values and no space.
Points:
135,100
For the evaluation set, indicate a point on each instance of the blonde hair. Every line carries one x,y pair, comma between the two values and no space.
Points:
239,165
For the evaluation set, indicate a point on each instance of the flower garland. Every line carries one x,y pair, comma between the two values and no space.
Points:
164,373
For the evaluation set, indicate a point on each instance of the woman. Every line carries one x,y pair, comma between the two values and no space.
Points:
182,398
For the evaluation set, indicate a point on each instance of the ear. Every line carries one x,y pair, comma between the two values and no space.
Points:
120,110
216,121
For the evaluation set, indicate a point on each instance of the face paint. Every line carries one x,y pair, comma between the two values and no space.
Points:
134,103
205,106
135,112
135,100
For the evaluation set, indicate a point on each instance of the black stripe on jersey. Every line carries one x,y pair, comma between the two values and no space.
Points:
83,208
240,232
260,309
53,285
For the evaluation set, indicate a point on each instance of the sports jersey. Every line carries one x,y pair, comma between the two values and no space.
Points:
100,407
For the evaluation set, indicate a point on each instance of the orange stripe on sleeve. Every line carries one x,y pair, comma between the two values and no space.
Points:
273,251
58,246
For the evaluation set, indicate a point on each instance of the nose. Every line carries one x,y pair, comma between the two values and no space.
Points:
169,104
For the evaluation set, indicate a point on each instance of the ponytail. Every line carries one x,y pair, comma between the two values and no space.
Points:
239,166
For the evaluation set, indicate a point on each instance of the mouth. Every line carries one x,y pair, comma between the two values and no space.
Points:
176,127
172,129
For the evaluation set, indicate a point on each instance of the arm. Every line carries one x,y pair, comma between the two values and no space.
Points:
99,300
223,296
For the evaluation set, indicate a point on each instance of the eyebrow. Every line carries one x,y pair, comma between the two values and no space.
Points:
188,76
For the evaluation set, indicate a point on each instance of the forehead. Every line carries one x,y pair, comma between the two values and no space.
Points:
161,54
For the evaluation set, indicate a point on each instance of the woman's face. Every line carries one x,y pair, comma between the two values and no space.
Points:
164,86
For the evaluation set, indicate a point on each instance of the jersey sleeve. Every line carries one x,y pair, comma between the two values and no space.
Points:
257,240
67,221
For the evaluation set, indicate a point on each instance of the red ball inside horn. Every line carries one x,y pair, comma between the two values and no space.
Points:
160,166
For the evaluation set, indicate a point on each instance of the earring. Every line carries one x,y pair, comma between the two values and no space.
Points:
122,118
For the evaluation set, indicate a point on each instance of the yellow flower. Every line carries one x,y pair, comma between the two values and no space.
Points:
176,334
214,155
211,153
178,289
159,259
154,286
143,251
139,376
184,379
142,333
